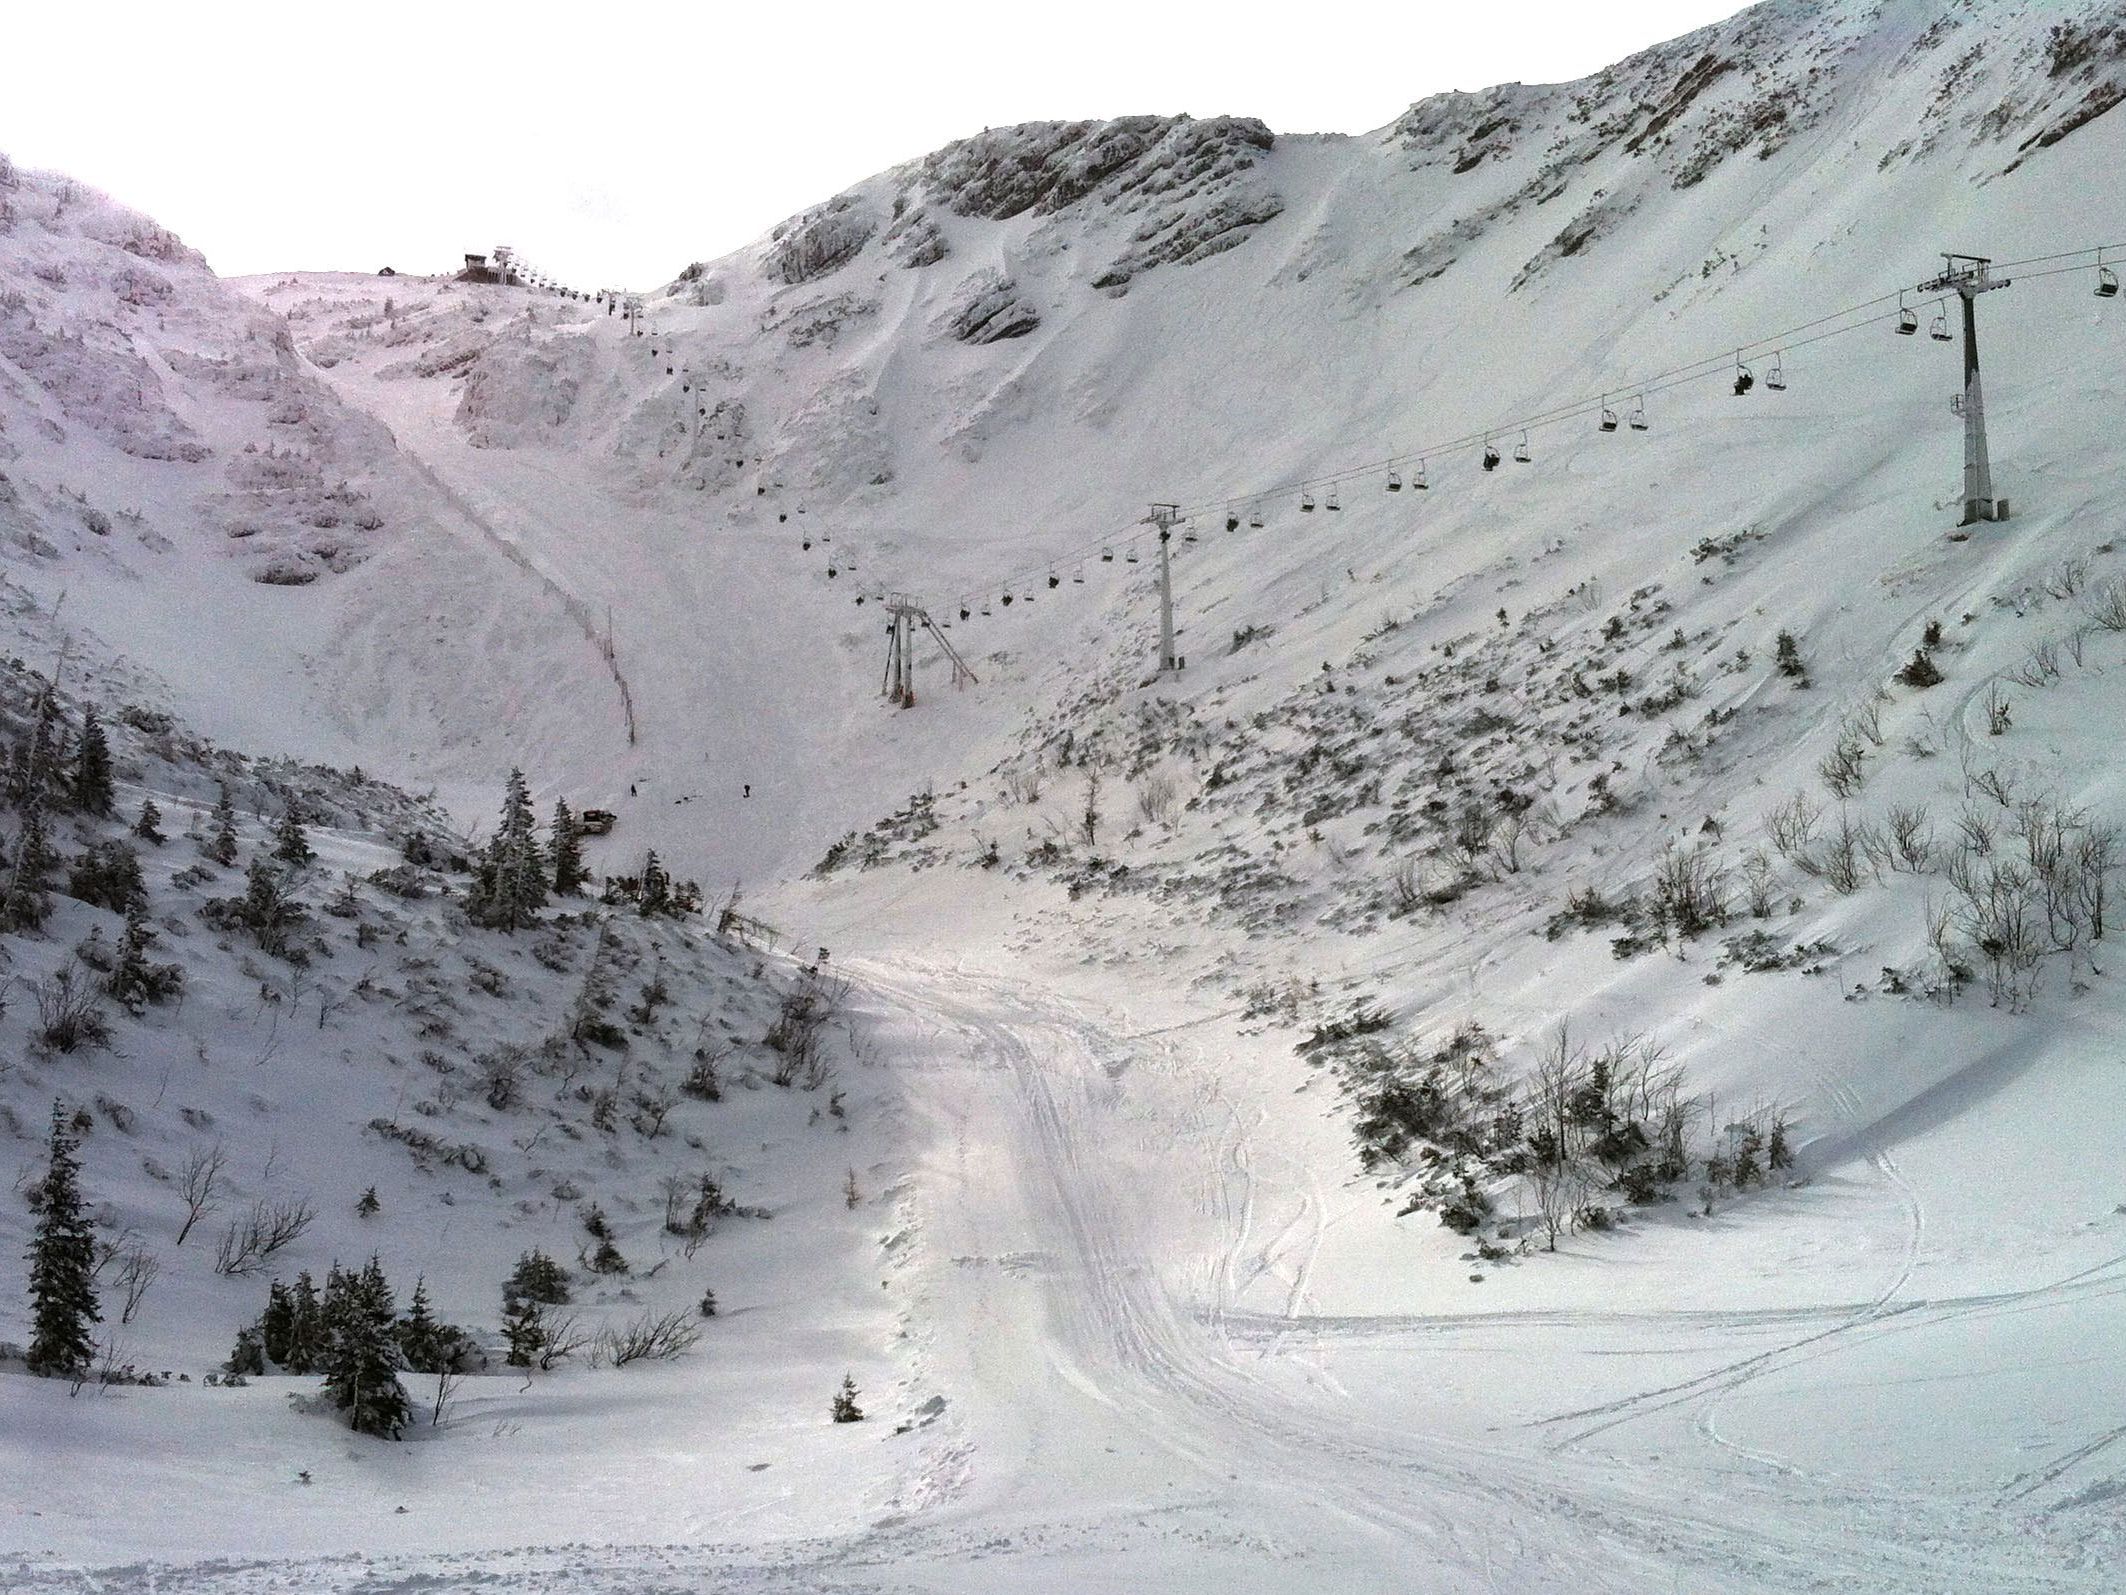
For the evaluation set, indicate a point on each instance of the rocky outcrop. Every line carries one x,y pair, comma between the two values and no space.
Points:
988,308
823,240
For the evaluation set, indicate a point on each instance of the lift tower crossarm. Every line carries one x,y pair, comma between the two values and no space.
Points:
1968,276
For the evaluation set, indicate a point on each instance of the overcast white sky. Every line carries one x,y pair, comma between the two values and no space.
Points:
612,145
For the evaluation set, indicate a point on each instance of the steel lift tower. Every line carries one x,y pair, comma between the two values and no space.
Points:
1968,276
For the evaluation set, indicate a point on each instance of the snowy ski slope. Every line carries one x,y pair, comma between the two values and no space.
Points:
1127,1307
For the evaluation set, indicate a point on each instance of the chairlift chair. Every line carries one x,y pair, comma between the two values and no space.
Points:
1907,318
1054,581
1306,503
1520,451
963,611
1007,600
1491,455
1395,482
1077,576
1107,556
1417,478
1638,421
1330,502
1609,419
1255,517
833,570
1232,521
1188,532
1775,379
1132,557
2107,280
1939,331
1745,378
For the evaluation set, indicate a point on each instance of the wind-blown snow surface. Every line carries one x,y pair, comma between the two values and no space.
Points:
1149,1323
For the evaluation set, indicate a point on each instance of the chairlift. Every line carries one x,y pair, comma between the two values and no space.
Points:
963,611
1907,318
1188,532
1637,420
1520,450
1775,379
1939,331
1077,576
1491,455
1232,521
833,570
1255,517
1745,378
1330,502
1107,556
1054,581
1395,482
1132,558
985,609
1306,503
806,545
1007,600
2107,280
1417,478
1608,422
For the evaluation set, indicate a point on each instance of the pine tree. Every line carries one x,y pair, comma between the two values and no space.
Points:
565,849
26,902
361,1356
290,845
421,1338
368,1206
306,1328
62,1259
149,826
221,847
656,886
536,1278
34,766
248,1360
277,1323
268,910
509,887
845,1409
523,1330
92,766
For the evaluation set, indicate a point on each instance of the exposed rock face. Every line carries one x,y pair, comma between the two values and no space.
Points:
820,241
988,309
1182,189
1046,166
914,240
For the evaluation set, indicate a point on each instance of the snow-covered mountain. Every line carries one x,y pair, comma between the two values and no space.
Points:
1703,787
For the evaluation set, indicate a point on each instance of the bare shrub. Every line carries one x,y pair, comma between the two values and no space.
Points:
269,1227
1688,894
1023,785
655,1337
1792,827
1158,794
200,1185
2040,666
1997,706
1844,856
1758,882
1867,721
138,1268
70,1012
2068,577
1911,836
798,1037
2105,606
1844,768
